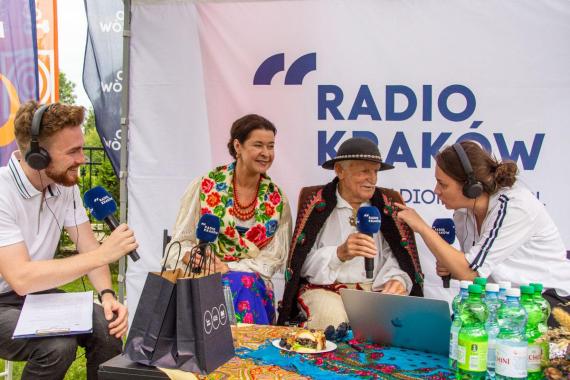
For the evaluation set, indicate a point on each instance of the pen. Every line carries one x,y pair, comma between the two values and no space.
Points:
52,331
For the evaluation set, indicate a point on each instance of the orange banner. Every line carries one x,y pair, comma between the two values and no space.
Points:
46,26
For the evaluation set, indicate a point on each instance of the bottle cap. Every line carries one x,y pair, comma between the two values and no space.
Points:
527,289
513,292
475,289
480,281
504,285
464,284
492,287
225,282
537,287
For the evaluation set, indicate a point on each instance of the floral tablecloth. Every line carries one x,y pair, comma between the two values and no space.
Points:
256,358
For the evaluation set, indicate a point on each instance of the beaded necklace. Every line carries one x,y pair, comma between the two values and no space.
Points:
240,211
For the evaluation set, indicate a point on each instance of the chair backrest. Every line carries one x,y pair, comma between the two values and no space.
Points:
165,240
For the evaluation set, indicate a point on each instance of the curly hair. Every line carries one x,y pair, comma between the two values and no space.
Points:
492,174
55,118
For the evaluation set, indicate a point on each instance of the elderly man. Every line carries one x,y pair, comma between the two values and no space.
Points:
327,252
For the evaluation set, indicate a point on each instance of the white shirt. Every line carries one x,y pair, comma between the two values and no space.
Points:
518,242
26,217
323,267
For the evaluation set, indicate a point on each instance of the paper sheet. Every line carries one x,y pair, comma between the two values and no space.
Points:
55,314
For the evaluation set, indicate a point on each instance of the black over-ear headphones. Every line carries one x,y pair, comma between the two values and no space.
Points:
37,157
472,187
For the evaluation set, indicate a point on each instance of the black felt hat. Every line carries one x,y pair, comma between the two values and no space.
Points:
358,148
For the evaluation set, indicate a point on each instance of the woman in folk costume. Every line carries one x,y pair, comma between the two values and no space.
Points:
255,220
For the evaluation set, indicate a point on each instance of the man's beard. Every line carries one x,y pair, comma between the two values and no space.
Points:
61,178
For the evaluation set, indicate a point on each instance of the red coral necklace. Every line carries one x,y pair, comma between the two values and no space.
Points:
240,211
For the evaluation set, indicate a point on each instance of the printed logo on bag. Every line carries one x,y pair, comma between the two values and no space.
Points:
223,315
208,321
215,318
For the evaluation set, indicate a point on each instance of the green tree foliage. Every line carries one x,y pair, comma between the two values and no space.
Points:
101,172
66,90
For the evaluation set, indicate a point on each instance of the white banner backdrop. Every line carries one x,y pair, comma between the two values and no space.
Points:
413,75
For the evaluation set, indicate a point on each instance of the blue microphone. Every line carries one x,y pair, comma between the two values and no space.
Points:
368,222
102,206
445,228
207,232
208,228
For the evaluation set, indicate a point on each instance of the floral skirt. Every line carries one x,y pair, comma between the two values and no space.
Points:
253,300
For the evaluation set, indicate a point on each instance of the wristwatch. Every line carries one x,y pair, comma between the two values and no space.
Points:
104,291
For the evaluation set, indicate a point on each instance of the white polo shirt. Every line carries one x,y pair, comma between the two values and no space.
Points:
25,215
518,242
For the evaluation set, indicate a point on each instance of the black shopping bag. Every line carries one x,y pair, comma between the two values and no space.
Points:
152,336
204,336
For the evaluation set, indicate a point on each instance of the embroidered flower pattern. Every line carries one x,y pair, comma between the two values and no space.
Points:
253,301
373,362
216,197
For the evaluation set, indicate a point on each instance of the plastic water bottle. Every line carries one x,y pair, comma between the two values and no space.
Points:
482,282
511,349
503,286
456,323
534,316
492,325
473,338
229,301
545,310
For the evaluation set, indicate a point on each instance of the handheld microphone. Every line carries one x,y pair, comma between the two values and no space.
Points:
207,229
368,222
445,228
102,206
207,232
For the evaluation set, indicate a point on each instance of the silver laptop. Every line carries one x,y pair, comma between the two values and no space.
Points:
402,321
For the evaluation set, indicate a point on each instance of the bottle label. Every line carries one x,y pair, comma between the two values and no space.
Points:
472,356
534,357
545,352
510,361
453,342
491,354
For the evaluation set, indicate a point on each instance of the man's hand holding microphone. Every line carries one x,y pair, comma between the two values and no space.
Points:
122,240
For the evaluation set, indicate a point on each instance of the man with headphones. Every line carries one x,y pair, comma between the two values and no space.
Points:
505,233
39,198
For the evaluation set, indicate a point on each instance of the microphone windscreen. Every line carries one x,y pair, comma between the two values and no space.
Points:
99,203
368,220
445,228
208,228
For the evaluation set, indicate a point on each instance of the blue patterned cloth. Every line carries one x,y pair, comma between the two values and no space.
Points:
347,362
253,301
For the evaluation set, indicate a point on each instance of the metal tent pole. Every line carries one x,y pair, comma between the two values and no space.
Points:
123,172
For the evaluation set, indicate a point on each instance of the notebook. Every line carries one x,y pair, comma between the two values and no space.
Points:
402,321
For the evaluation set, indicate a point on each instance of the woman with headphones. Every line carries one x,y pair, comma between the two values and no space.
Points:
504,231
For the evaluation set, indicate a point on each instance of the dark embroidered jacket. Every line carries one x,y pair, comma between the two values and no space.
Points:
315,206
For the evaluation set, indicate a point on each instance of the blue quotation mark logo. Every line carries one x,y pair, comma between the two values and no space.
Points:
276,63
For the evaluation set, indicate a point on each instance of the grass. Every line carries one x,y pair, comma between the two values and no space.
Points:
77,371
